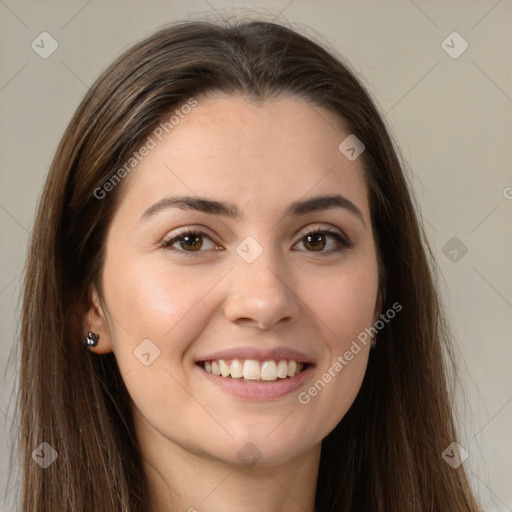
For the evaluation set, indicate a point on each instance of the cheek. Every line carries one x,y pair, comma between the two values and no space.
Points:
346,306
147,299
346,302
156,314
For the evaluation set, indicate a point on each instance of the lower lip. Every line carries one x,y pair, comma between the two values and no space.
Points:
259,390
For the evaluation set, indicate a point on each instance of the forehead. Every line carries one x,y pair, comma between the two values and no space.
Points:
257,154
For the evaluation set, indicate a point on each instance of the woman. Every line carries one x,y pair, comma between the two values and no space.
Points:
228,302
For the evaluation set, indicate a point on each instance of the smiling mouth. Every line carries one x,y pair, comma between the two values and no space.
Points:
253,370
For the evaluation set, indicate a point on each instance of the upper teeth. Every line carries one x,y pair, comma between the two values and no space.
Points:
251,369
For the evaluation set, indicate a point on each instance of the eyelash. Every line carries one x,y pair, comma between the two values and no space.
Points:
342,242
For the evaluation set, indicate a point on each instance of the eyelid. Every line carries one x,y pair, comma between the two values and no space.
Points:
337,234
341,239
175,236
315,229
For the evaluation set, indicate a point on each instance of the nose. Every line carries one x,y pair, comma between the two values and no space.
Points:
261,294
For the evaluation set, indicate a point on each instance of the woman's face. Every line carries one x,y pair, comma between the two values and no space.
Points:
269,274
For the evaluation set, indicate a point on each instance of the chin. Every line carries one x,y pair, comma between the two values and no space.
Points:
263,449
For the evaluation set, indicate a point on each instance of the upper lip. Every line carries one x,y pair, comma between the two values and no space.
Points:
258,354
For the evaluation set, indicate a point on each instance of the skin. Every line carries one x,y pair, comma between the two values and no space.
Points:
262,157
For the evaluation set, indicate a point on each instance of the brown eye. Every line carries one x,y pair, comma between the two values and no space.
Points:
325,242
314,241
191,242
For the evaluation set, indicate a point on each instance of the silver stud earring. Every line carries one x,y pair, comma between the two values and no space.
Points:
91,340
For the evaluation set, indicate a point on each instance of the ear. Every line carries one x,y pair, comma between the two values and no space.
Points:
95,320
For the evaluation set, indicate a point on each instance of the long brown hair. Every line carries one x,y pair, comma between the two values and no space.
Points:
385,454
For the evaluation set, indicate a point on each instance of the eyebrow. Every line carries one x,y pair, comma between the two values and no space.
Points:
230,210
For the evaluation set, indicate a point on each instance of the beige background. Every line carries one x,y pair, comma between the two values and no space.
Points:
451,117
